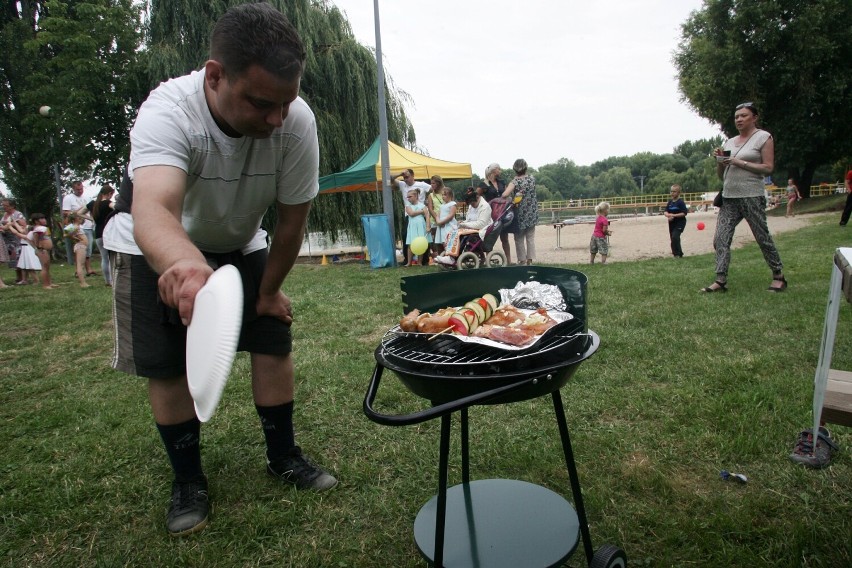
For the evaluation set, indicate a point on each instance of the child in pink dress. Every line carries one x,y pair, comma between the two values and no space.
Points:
599,242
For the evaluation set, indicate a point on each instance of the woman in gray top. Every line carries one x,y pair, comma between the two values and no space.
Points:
746,160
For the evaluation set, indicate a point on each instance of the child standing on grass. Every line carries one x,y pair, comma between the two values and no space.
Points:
600,242
446,219
39,239
28,262
43,245
75,232
418,224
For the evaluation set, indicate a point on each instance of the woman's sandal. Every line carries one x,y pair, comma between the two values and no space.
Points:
780,288
723,287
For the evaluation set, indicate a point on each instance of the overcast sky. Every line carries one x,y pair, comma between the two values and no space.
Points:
496,80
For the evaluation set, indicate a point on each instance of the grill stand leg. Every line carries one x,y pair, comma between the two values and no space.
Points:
465,448
559,410
441,513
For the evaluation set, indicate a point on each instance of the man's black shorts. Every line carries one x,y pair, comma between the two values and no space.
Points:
150,340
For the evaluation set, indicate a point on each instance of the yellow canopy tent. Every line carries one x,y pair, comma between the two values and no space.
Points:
366,173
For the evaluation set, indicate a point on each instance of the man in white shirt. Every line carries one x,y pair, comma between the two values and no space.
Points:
210,152
72,203
405,184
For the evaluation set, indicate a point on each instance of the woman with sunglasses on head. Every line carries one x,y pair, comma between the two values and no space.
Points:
742,165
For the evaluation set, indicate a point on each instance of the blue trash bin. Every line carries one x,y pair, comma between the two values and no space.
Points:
379,241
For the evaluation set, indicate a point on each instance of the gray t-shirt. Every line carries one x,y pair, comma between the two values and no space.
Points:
230,181
738,182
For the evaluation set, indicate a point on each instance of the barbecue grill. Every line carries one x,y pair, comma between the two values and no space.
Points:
492,522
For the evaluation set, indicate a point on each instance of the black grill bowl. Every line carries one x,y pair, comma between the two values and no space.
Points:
535,375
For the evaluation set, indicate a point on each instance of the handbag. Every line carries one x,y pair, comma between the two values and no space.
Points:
718,200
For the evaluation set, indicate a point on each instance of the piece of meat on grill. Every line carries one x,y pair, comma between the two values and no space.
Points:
506,316
538,322
439,322
417,322
409,321
509,316
504,334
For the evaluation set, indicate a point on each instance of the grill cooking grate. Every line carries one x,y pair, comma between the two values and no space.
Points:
447,354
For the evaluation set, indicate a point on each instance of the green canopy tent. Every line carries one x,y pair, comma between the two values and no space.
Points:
366,173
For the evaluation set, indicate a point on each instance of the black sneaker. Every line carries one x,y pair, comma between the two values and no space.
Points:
297,469
189,508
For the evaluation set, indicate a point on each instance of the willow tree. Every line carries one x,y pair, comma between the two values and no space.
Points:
339,84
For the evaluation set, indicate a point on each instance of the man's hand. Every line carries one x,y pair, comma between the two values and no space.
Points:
180,283
277,306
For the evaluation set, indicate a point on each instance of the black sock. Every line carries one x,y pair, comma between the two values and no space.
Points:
182,442
277,422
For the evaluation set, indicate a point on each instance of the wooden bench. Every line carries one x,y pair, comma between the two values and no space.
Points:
837,407
833,385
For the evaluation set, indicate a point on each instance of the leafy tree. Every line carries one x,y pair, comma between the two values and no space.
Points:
793,58
697,150
24,164
615,181
79,58
563,178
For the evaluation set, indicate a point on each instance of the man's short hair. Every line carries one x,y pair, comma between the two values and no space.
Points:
257,34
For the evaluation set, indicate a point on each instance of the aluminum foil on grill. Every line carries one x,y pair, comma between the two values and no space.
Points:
533,295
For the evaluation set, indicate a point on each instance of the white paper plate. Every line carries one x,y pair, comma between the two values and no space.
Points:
212,337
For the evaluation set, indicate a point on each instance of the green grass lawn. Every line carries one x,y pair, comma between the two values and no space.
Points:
683,386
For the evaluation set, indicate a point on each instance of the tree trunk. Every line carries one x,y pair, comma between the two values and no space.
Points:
806,179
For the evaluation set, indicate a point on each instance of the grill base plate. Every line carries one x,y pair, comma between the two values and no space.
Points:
500,523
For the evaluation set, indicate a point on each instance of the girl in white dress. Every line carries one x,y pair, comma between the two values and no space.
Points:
28,262
446,220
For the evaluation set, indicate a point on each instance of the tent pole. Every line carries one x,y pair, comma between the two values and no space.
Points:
387,200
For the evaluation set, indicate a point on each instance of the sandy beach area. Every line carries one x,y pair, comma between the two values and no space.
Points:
633,238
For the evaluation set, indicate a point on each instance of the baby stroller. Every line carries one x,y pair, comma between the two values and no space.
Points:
475,251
